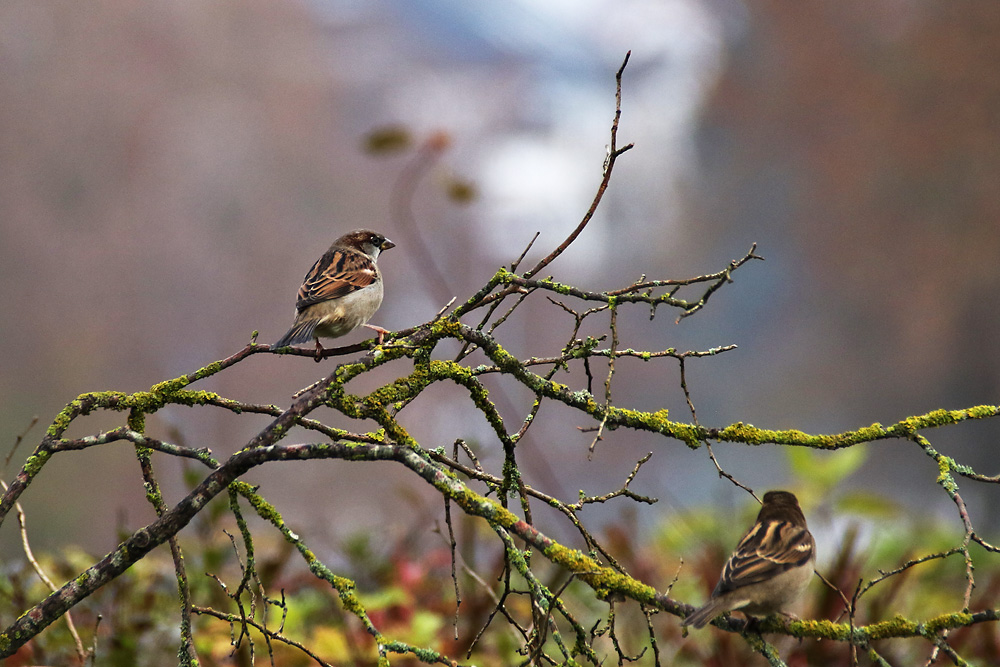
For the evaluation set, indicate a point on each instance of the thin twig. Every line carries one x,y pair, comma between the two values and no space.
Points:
708,445
270,634
17,443
613,153
22,521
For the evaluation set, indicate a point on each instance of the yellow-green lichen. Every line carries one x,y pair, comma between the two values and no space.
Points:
212,368
869,433
819,628
655,421
346,372
264,509
350,601
751,435
82,405
982,411
585,401
944,478
937,418
940,418
401,389
898,626
447,327
169,386
191,397
602,579
689,434
946,621
558,288
153,494
63,419
35,462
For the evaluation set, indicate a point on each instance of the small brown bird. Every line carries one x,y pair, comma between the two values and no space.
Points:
342,290
770,568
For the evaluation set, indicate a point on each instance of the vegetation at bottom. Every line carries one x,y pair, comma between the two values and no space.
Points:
406,586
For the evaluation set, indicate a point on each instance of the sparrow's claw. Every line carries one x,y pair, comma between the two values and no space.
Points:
379,330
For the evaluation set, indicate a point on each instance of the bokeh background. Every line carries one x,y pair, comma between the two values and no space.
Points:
169,171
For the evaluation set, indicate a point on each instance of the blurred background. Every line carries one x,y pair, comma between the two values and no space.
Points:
171,170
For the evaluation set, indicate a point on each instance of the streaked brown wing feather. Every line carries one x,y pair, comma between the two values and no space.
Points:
767,550
336,274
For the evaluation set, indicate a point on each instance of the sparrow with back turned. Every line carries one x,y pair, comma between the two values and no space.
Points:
770,568
341,291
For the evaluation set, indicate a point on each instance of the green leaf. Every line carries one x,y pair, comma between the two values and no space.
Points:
868,504
822,471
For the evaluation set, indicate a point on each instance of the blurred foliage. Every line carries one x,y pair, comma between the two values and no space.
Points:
387,140
461,191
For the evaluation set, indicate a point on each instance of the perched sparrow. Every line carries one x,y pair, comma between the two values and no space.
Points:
342,290
770,568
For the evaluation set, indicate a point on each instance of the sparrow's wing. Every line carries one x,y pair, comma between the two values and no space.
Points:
337,273
768,549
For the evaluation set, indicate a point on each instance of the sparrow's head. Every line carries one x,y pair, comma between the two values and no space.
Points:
781,505
780,498
366,241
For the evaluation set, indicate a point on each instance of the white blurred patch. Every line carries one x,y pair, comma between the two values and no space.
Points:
535,185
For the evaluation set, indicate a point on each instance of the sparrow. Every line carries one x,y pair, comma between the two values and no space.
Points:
770,568
341,291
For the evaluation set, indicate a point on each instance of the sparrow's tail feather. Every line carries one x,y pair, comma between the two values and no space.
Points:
700,617
301,332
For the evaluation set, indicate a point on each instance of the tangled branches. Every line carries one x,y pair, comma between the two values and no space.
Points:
550,630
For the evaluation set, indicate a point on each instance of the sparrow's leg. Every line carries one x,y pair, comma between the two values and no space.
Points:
379,330
319,351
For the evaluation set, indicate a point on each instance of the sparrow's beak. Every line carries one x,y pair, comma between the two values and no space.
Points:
387,244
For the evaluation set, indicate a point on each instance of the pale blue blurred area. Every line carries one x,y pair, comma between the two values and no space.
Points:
170,172
528,89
